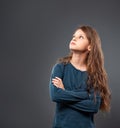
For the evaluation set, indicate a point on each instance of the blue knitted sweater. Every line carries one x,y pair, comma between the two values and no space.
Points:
75,108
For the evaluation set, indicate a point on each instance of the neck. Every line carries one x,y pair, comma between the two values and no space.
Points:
79,60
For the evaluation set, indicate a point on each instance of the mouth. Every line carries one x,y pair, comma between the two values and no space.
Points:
73,43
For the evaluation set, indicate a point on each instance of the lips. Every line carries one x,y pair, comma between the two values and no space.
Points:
73,43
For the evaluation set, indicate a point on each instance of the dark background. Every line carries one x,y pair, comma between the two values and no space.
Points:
33,34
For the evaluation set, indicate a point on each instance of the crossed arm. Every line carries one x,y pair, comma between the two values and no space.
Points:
79,100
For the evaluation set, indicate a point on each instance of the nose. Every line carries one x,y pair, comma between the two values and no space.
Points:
74,39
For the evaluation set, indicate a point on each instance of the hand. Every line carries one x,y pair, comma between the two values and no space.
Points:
58,82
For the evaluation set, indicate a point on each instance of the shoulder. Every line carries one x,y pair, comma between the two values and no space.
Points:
58,66
57,70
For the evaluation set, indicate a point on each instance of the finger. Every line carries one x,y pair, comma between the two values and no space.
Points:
58,78
55,84
55,80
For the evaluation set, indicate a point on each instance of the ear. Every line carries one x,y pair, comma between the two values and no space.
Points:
89,48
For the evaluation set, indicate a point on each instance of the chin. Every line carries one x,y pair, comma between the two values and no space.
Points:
74,49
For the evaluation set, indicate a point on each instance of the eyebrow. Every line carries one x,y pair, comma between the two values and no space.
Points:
82,35
79,35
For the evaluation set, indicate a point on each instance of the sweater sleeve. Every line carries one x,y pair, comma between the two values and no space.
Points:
88,105
64,96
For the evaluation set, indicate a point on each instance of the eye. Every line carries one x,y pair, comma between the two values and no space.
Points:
81,37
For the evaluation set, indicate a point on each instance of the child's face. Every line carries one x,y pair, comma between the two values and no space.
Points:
79,42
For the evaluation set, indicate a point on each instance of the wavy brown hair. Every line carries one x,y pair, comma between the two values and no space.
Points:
97,76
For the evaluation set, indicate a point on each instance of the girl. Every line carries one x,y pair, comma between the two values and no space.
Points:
78,83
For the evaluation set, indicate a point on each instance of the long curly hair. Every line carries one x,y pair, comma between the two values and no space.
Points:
97,76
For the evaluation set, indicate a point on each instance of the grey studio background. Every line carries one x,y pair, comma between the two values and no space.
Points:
33,34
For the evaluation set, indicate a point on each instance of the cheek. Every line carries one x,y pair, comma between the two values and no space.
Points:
86,43
83,45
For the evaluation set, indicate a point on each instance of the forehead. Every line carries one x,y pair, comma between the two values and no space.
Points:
79,32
